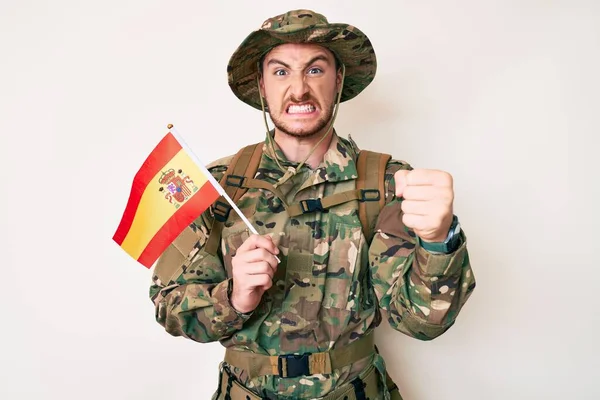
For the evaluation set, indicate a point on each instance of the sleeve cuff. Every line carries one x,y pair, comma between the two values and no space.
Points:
242,315
230,319
440,248
433,263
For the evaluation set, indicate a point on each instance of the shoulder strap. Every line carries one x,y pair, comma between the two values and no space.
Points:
243,166
371,168
176,256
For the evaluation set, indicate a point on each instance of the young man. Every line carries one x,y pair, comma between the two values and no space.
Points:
296,305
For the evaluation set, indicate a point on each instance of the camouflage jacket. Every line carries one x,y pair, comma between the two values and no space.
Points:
331,286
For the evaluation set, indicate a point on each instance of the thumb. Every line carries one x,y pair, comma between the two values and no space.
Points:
401,178
274,249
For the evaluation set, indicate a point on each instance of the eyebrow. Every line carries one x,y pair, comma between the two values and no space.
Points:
320,57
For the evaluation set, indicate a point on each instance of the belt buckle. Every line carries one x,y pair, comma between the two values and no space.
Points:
295,365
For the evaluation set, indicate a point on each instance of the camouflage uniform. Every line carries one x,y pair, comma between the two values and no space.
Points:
331,285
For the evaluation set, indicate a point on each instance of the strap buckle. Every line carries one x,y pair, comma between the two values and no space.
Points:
295,365
235,180
311,205
221,211
359,388
369,195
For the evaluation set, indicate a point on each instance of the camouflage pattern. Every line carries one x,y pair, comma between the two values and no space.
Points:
351,46
331,285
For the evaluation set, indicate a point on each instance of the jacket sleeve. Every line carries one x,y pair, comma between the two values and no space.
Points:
190,288
422,292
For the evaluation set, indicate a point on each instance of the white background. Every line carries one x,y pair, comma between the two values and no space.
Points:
503,94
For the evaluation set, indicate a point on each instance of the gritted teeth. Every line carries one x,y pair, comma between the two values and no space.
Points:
300,109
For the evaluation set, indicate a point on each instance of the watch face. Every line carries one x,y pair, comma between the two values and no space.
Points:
456,225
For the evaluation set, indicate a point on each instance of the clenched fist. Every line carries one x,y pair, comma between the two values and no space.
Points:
253,268
427,206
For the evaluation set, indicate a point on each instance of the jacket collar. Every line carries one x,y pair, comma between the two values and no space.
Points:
338,164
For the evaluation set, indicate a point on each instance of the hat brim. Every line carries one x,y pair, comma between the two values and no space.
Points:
351,46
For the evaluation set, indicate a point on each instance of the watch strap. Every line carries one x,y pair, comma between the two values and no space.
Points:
448,246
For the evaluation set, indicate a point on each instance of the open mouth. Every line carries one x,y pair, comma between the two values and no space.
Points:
301,109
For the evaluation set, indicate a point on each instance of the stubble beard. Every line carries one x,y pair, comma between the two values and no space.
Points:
303,133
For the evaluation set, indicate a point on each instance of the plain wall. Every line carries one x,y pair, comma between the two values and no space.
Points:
502,94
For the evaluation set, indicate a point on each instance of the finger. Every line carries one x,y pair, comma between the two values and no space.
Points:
249,244
416,207
258,268
257,255
414,221
258,241
275,250
267,243
426,193
400,180
262,280
424,177
271,247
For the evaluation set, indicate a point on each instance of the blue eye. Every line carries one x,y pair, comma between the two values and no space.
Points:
280,72
315,70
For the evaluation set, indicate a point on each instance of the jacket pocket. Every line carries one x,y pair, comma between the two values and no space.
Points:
345,241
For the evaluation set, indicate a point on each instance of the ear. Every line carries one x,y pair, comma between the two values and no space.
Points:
261,91
261,83
338,80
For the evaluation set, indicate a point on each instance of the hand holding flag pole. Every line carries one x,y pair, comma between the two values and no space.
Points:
170,190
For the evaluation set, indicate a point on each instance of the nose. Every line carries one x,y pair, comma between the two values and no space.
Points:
298,87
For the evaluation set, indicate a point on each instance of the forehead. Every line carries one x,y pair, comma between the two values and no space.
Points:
298,52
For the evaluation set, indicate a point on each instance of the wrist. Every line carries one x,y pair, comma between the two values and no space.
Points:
231,296
447,244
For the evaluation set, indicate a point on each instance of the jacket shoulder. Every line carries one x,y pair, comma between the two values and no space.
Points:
395,165
218,167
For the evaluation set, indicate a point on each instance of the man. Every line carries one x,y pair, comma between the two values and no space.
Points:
296,305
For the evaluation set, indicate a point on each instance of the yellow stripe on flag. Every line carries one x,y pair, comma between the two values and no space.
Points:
154,209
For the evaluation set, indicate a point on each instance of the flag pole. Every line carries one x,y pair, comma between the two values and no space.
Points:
212,179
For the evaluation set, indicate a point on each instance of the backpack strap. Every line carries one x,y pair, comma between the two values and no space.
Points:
176,257
243,166
371,168
369,191
320,204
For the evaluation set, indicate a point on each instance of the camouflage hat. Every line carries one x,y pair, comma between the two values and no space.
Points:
349,44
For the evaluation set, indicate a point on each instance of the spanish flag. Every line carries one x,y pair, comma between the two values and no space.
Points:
168,192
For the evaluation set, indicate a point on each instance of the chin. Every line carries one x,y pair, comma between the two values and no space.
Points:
300,132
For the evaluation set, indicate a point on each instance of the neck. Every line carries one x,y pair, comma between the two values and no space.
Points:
297,149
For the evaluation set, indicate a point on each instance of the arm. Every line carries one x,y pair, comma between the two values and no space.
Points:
190,288
422,292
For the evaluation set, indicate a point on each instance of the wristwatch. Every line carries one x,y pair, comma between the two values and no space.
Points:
449,245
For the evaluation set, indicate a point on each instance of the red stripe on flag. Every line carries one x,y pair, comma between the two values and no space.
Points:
160,156
177,223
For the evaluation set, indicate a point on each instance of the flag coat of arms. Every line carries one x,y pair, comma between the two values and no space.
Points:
168,193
